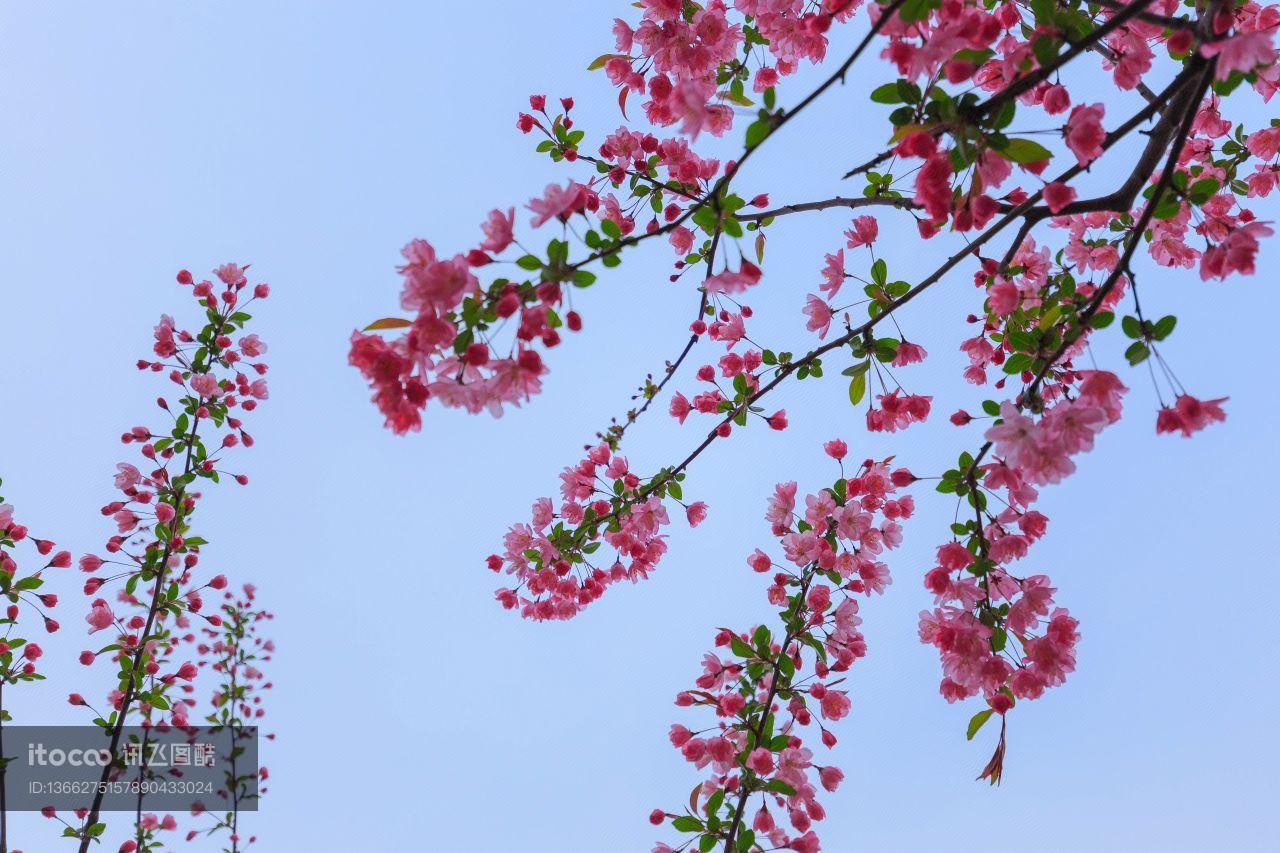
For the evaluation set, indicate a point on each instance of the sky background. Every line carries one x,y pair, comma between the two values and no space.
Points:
314,139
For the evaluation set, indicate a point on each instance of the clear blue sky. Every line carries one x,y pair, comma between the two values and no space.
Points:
313,139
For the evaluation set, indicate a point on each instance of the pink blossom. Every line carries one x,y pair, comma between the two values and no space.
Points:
731,281
1084,132
863,233
99,617
497,230
1189,415
819,314
1242,52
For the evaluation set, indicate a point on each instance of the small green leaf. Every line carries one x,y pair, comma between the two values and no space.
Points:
1137,353
977,722
1025,151
887,94
858,388
1164,327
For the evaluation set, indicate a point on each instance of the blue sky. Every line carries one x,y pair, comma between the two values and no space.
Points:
314,139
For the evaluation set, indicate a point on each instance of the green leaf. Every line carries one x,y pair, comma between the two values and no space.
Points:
1137,353
1164,327
529,262
915,10
858,388
757,131
1202,190
977,722
887,94
1025,151
601,60
879,272
684,823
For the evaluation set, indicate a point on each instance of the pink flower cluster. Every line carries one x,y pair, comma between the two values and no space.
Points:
18,656
733,379
432,359
680,55
999,633
602,503
764,687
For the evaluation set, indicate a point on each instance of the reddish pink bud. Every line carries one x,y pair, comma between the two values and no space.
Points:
657,816
1180,42
76,699
87,658
184,277
508,304
961,417
1058,195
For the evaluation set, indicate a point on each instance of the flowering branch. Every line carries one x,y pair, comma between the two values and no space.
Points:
965,77
154,544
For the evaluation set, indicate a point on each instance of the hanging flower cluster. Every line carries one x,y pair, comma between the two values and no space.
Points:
602,504
762,689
